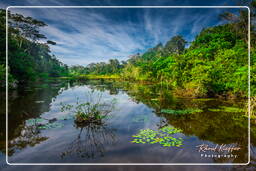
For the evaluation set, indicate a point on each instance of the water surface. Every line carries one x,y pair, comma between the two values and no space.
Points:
138,107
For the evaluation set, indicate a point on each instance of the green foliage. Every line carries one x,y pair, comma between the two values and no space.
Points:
214,64
209,67
29,59
101,68
181,112
174,46
163,136
11,81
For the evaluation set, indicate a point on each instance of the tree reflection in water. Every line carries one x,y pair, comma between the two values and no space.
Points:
91,140
29,136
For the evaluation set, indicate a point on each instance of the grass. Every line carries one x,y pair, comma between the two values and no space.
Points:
92,111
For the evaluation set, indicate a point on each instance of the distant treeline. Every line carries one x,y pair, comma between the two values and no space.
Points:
28,58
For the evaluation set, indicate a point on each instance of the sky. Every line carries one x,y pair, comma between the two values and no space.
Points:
86,35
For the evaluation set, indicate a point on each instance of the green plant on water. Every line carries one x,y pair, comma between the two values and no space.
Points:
181,112
51,125
92,111
227,109
163,136
35,121
42,123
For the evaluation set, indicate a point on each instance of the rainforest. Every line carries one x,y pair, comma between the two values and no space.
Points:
164,101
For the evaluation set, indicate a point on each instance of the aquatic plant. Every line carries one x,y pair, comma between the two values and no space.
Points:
42,123
51,125
35,121
163,137
92,111
227,109
181,112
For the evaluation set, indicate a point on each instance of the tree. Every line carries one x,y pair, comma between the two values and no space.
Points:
29,59
239,22
175,46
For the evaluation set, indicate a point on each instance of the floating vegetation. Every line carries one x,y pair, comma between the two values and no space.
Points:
42,123
35,121
51,125
141,118
92,111
181,112
227,109
163,137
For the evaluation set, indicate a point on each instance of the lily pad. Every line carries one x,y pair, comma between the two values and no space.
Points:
163,136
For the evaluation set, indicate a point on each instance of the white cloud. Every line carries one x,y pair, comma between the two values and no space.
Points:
86,35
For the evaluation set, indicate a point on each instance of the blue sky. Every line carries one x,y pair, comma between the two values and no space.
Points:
94,35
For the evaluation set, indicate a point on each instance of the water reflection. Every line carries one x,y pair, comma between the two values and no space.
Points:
29,136
24,103
93,140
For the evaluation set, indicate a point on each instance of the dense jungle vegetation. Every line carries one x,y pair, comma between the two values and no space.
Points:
29,55
214,64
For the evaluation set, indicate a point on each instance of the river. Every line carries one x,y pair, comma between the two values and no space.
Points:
139,106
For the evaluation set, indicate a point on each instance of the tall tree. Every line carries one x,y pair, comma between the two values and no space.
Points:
175,46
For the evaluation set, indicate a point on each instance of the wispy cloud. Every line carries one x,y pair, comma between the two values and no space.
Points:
92,35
